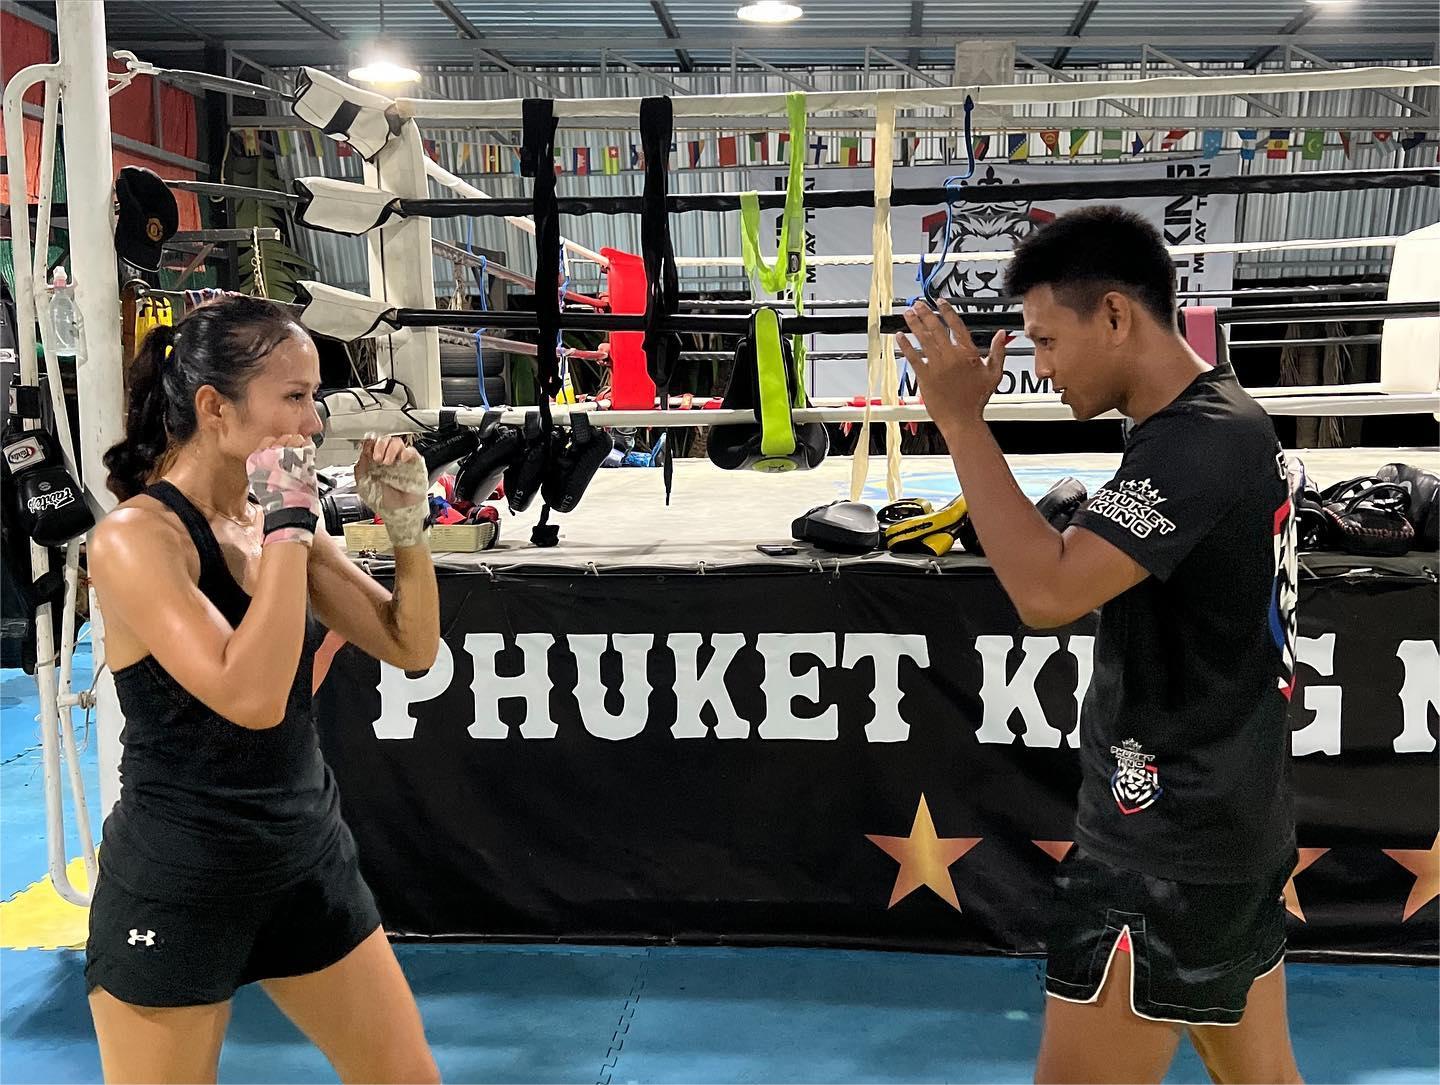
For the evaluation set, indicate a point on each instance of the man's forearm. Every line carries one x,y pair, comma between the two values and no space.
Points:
1022,547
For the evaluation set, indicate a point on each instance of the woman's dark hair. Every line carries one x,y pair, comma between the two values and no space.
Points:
1086,253
221,343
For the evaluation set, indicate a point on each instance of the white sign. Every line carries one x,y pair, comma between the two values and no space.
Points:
1184,220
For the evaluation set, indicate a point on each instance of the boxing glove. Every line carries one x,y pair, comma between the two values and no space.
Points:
1058,505
52,507
1367,516
1424,489
571,470
525,475
480,472
442,447
1062,501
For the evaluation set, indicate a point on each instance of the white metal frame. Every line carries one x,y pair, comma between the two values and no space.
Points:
79,82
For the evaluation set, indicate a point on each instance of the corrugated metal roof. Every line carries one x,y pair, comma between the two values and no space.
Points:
275,35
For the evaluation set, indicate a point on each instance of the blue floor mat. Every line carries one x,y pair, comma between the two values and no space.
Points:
614,1015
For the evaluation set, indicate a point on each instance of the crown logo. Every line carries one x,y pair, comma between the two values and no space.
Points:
1141,490
1131,746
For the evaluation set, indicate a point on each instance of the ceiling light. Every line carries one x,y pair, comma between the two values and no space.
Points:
1332,3
770,12
384,72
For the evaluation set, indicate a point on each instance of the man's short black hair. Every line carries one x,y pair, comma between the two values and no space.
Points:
1086,253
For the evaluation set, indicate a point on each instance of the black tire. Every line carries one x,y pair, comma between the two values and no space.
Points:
458,361
461,391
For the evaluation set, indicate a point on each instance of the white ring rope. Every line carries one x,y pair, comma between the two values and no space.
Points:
1001,255
1313,401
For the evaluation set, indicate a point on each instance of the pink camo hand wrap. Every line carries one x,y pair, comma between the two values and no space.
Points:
283,481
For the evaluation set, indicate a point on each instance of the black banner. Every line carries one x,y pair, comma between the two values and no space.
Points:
871,758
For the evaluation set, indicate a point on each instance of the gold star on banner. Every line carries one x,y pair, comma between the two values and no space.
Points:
1056,849
1425,865
924,858
1308,856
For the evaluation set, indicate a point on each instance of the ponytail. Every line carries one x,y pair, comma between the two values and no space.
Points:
221,344
132,461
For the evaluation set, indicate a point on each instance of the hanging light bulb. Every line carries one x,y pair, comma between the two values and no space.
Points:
383,70
770,12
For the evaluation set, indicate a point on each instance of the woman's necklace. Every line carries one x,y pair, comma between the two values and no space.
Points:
247,526
244,523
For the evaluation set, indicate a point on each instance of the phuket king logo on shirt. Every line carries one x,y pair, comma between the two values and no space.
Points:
1136,783
1134,506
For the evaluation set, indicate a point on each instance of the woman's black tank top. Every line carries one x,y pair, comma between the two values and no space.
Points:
209,808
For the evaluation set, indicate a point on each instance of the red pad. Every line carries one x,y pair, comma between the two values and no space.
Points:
630,385
1123,943
1202,331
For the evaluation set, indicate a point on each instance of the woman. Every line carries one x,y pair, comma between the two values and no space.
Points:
226,861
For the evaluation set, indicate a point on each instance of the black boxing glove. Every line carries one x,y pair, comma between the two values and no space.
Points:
572,468
480,472
1062,501
1424,489
444,447
1367,516
52,506
1058,505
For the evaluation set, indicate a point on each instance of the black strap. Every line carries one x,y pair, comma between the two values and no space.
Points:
537,160
662,348
339,123
580,427
201,534
290,517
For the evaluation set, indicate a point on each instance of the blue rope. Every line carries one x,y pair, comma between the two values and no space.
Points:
480,350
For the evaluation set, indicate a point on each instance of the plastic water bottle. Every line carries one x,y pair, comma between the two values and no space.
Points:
64,317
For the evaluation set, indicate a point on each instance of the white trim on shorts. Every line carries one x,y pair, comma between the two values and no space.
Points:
1105,978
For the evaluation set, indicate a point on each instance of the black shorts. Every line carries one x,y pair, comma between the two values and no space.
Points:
150,952
1195,949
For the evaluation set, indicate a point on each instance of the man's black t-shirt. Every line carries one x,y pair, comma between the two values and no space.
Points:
1183,735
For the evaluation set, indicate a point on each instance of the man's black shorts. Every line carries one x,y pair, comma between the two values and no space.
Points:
1196,949
150,952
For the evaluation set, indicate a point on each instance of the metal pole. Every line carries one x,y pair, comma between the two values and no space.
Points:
100,385
28,289
464,188
401,265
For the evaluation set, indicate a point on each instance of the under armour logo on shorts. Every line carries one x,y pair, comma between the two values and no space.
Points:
136,938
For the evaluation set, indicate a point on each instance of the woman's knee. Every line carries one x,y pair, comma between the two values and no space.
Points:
413,1067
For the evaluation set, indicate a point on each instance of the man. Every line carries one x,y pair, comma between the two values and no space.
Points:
1169,913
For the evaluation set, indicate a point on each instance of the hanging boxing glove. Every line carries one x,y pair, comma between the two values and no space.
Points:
52,507
446,445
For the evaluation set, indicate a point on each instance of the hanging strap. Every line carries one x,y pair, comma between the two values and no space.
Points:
537,160
788,270
881,376
790,259
662,280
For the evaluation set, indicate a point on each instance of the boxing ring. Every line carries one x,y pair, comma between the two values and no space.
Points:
653,732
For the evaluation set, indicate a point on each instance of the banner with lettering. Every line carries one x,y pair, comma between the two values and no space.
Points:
871,758
990,227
